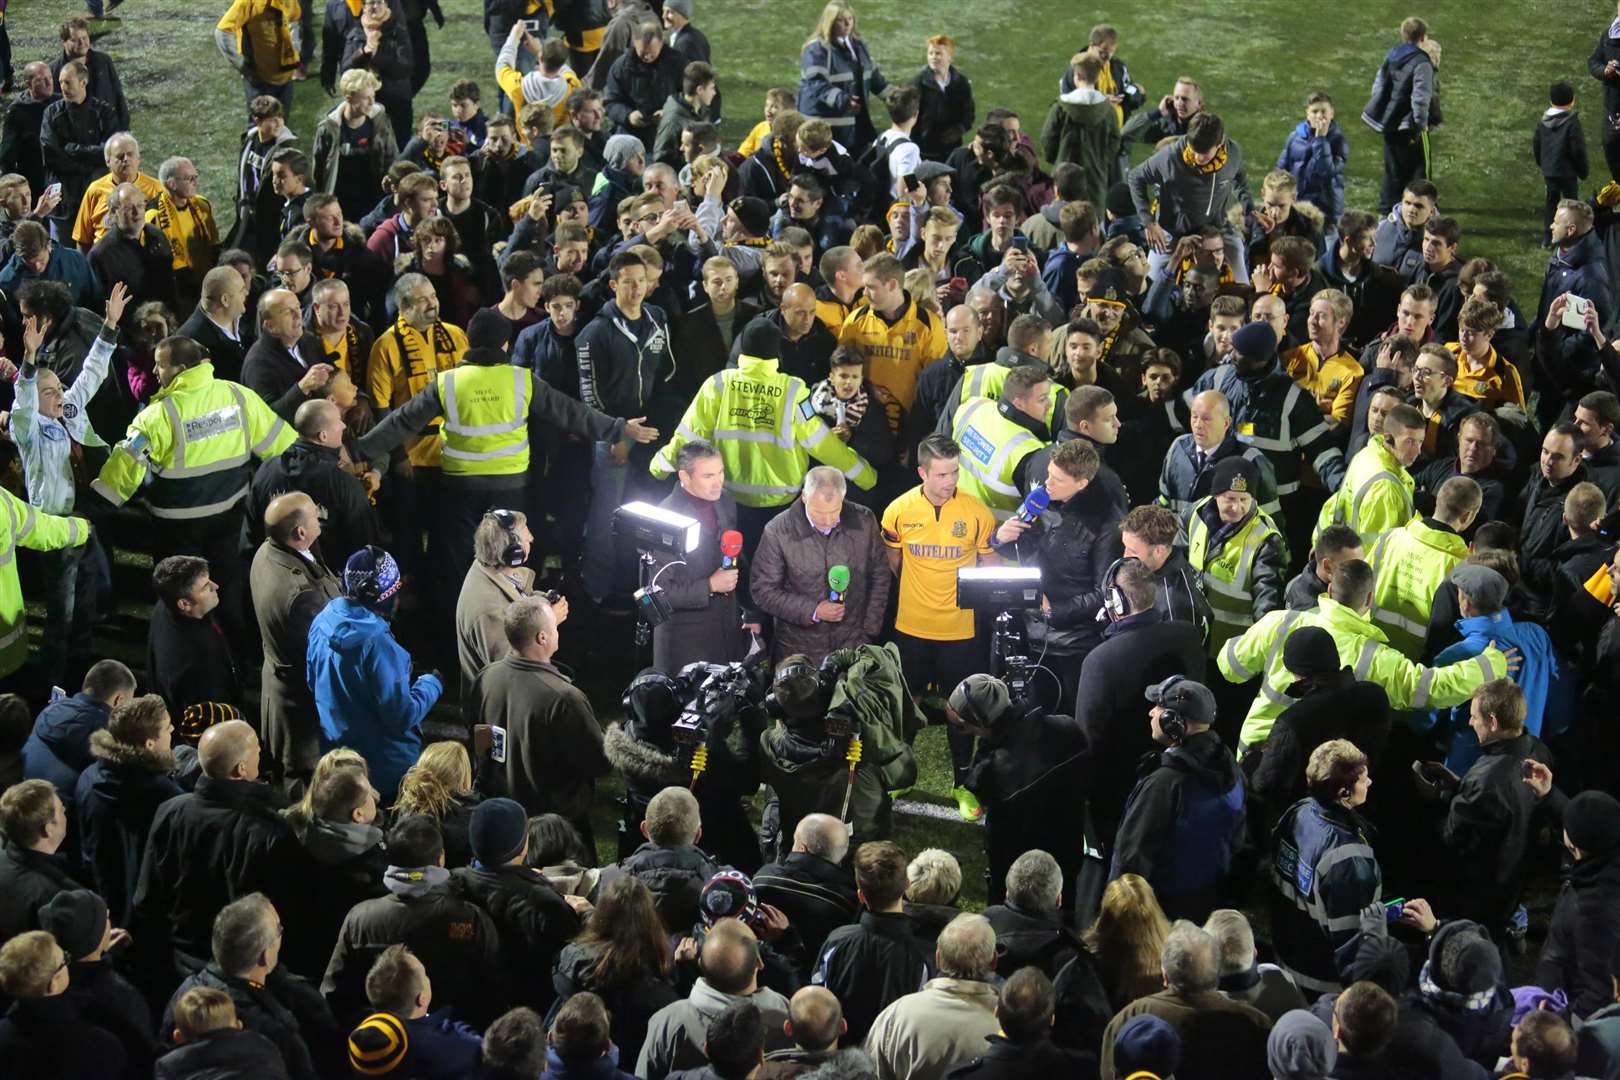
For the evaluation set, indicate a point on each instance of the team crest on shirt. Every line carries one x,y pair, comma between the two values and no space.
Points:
69,410
958,528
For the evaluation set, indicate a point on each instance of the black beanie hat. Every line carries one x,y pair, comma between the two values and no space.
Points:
488,329
77,919
761,339
1592,820
498,830
1310,651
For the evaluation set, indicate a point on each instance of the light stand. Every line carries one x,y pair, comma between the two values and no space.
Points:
1004,590
655,530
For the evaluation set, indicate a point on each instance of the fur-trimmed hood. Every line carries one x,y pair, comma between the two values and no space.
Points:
641,760
104,747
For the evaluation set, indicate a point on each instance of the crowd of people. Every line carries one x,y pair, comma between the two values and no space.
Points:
1270,494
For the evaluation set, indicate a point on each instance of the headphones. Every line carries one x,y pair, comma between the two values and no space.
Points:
792,671
651,678
1171,722
1115,605
512,554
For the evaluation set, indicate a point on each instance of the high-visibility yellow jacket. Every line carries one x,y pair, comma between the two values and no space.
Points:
993,447
1411,563
22,525
986,381
403,361
1375,497
261,38
895,352
766,430
192,446
486,419
1230,574
1362,648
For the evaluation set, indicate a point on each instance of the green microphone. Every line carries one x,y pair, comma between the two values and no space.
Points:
837,583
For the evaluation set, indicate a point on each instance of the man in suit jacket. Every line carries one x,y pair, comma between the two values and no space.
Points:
215,323
285,366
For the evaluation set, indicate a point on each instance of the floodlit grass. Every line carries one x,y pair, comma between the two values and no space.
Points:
1256,59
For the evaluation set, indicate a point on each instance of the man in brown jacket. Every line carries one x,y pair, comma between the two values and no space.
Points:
497,577
553,746
798,549
290,585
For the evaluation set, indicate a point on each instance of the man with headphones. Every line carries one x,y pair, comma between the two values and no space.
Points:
497,577
1184,819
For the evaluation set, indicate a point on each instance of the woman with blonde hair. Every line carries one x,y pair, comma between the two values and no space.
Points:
837,76
1127,938
302,812
440,785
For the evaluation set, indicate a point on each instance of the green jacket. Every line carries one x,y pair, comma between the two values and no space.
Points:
810,777
1362,648
23,526
1411,563
1082,127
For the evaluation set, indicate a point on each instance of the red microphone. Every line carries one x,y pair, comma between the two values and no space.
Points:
730,547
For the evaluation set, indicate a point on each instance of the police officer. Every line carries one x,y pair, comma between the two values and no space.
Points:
996,437
1272,412
1376,495
1074,542
766,430
487,404
194,443
1237,550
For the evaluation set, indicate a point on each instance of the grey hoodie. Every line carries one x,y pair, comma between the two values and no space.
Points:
676,1033
1189,200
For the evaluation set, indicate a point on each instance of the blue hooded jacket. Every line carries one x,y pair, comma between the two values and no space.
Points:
1317,165
1548,693
361,679
58,750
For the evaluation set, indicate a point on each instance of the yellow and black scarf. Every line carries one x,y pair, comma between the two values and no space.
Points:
340,356
1213,165
443,345
1108,87
1227,276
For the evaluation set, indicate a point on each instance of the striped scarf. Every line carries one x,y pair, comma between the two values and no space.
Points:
1213,165
834,409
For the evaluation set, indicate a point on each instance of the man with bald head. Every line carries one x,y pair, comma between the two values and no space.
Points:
286,366
810,885
806,342
222,841
291,583
1270,309
815,1024
314,466
216,321
936,386
731,964
135,252
1185,475
122,154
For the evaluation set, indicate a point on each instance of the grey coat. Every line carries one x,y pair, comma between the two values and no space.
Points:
789,578
1188,200
288,592
705,626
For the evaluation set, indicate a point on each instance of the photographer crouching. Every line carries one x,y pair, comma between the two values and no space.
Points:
1026,772
842,740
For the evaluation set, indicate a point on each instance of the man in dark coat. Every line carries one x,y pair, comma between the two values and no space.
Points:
71,134
269,999
285,366
104,82
533,921
1141,647
553,740
79,923
20,150
1029,929
426,911
806,345
703,591
44,1034
58,749
640,81
1024,1047
216,322
118,796
135,252
291,583
348,520
187,658
1540,507
31,871
208,848
810,884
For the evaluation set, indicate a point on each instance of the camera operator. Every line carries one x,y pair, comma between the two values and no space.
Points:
805,755
791,579
666,719
1073,542
1142,646
706,624
1025,772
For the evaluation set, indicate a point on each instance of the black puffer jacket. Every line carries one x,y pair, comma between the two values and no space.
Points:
1073,543
205,849
348,520
1342,709
533,921
1027,940
117,798
872,964
285,1009
817,896
1585,929
675,877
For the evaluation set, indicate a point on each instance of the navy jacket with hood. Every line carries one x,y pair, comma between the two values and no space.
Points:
59,748
1402,91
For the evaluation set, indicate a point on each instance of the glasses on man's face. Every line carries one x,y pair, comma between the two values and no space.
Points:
648,219
1423,374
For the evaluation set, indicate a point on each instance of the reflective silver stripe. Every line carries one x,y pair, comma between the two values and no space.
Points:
1420,698
16,631
1272,653
1232,661
838,76
1226,588
1307,982
718,382
233,462
813,72
1312,435
816,437
975,383
1401,622
189,512
857,470
1276,697
1340,854
784,431
241,415
1364,661
484,455
1361,493
1287,489
762,489
105,490
171,412
74,539
1485,667
1232,618
1264,443
270,437
1325,456
738,435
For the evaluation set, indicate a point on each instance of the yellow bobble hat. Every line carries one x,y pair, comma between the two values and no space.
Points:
379,1045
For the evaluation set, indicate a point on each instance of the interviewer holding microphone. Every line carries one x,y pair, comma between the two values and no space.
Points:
820,571
702,590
